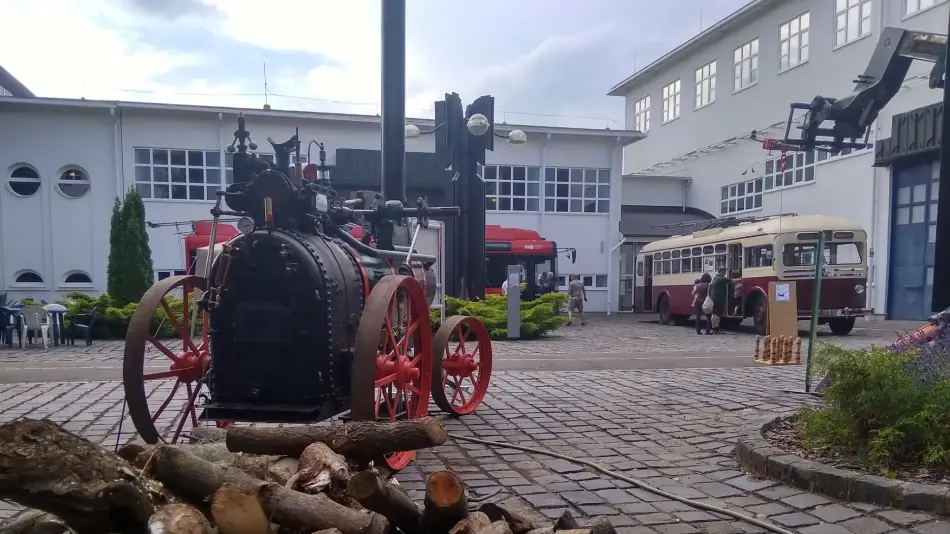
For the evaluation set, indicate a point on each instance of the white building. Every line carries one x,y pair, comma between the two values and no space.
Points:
699,104
65,161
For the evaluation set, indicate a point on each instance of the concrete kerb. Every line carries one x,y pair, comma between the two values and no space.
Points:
755,454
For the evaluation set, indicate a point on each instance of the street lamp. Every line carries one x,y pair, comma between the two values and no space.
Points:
477,125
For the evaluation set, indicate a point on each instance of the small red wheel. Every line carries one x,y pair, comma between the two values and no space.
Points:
463,368
392,364
190,359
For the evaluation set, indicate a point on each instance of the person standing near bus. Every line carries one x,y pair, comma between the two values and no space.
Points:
720,288
577,295
700,292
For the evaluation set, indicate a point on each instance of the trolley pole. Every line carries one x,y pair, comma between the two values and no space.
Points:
815,297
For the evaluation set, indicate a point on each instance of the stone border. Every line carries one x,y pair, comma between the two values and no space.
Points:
755,453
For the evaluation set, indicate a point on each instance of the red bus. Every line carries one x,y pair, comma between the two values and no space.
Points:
757,251
516,246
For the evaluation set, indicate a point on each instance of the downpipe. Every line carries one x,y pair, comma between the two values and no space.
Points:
610,263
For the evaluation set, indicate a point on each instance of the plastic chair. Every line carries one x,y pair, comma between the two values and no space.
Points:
38,320
82,323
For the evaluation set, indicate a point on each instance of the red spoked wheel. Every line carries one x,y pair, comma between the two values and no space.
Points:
462,370
392,365
174,392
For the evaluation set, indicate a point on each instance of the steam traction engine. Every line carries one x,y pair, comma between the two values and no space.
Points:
298,321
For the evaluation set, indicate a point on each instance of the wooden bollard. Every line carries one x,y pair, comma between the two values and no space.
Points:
798,350
787,353
755,354
767,350
776,348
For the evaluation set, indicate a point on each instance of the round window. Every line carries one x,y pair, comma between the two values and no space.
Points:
74,182
24,181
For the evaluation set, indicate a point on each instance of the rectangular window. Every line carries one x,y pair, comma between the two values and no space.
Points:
162,173
671,101
511,187
793,42
758,256
910,6
641,114
741,197
745,65
799,169
803,254
4,92
161,274
852,20
576,190
706,85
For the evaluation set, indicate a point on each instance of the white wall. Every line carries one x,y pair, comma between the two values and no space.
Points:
49,233
72,234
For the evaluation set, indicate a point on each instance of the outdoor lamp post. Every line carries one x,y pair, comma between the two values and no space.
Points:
461,140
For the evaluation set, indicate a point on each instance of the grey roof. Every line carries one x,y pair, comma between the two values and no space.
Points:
717,30
644,220
17,89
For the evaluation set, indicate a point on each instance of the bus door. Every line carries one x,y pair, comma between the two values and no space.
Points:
648,282
735,272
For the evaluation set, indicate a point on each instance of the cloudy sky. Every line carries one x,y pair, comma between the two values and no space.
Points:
545,61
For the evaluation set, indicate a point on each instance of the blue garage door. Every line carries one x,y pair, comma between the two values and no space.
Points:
913,233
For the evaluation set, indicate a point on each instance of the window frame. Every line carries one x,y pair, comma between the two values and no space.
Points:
207,186
906,14
729,195
492,176
844,13
803,38
705,85
641,114
739,60
559,179
672,96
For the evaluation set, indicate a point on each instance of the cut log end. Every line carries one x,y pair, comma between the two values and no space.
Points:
237,511
444,489
178,519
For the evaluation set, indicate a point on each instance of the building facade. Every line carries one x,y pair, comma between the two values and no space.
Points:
65,161
702,105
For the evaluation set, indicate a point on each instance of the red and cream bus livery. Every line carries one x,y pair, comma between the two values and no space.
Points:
756,251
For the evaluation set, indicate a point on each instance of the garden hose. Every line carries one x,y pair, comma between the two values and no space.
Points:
638,483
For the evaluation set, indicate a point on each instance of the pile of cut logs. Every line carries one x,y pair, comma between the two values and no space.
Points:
255,481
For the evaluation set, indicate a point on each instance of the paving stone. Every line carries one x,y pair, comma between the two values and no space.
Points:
805,500
795,519
866,525
717,489
834,513
655,518
694,516
750,483
769,509
935,527
824,528
616,496
676,528
637,508
582,497
901,517
635,530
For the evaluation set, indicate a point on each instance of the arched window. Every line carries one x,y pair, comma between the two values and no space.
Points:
78,278
24,181
73,182
28,277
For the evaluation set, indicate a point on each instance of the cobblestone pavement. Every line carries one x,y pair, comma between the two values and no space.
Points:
674,429
615,334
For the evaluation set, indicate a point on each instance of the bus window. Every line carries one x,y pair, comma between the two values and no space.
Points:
721,248
639,268
720,261
803,254
758,256
697,263
697,251
708,249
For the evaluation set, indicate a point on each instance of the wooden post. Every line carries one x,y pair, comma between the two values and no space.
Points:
775,350
767,351
798,351
755,354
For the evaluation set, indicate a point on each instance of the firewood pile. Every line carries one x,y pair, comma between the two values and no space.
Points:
257,481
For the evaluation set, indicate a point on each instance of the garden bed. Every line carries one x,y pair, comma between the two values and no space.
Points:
784,434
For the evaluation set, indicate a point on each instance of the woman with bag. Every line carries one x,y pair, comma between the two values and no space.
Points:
702,304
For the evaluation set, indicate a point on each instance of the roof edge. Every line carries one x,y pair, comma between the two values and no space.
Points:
625,136
750,8
13,85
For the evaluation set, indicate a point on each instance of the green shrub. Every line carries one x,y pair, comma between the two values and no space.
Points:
130,258
538,316
112,318
877,411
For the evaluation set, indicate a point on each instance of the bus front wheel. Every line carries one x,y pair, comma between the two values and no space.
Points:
841,326
666,317
760,315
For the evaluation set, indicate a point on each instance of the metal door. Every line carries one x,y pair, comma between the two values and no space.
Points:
647,283
913,232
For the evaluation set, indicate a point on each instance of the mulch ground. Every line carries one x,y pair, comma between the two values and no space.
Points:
784,435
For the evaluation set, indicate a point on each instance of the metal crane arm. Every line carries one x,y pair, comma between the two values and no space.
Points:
852,115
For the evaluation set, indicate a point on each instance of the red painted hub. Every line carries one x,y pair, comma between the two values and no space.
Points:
191,366
406,372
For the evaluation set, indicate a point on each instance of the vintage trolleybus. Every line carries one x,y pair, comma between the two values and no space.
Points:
756,251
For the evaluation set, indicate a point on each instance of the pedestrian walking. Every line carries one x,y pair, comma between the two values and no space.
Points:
577,296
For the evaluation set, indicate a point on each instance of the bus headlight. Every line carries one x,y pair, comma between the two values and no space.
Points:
859,289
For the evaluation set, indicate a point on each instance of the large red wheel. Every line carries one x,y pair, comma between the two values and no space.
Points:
392,365
462,366
162,403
